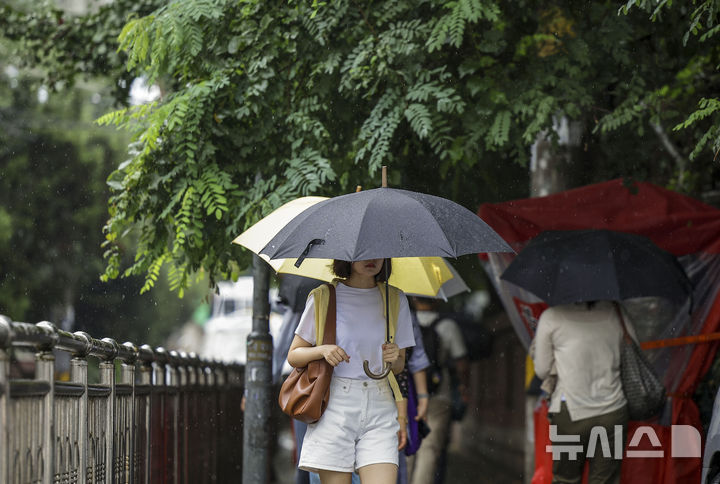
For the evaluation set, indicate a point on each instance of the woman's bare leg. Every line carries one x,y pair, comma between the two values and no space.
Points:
333,477
378,474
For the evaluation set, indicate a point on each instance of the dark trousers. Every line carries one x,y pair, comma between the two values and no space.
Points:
299,428
603,469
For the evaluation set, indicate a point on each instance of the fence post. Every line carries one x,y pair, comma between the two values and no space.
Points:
79,375
127,377
5,333
178,362
107,379
146,382
45,371
174,387
218,387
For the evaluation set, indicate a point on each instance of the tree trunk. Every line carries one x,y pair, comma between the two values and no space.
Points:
550,161
551,171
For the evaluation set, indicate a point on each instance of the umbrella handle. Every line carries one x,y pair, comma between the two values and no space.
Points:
377,376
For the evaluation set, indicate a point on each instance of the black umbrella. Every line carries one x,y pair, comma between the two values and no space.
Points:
294,290
563,267
384,223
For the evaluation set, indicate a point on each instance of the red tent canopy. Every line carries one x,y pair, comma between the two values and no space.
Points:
679,224
675,222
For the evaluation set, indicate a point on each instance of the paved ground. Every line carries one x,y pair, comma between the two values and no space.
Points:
464,467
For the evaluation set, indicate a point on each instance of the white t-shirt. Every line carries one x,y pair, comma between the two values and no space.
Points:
360,328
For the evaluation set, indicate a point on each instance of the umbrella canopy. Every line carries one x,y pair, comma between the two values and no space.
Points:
448,289
424,276
257,236
563,267
383,223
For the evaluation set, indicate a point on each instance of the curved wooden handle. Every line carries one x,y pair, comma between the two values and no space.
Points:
376,376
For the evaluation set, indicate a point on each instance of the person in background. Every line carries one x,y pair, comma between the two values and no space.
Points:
447,352
293,293
582,341
416,364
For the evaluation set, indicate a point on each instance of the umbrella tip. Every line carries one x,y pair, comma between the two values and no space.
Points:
358,188
384,176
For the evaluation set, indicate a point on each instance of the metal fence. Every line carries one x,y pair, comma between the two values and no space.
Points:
154,417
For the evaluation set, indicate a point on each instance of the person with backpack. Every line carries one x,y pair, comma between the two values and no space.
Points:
449,367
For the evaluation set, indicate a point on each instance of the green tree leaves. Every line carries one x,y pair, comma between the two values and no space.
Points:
450,27
266,101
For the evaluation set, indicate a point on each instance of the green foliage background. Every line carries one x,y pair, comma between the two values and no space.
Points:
54,163
266,101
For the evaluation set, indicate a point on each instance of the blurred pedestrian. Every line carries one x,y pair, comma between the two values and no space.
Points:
416,364
449,365
293,293
582,342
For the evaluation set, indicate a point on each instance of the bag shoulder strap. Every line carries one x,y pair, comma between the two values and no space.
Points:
330,318
325,316
626,335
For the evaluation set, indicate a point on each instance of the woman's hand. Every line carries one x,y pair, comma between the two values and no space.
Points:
395,356
422,406
391,352
333,354
420,379
402,433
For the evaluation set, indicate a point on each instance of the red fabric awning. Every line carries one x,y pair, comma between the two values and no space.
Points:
677,223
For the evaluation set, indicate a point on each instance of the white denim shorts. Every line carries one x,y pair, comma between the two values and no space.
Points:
359,428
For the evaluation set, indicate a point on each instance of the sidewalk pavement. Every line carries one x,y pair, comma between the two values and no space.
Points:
465,465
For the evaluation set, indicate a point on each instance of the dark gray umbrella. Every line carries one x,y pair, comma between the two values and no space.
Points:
563,267
382,223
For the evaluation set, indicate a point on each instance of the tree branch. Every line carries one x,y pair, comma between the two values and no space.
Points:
367,22
680,161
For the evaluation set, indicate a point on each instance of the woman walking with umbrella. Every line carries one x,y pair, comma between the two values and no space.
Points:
367,228
581,338
359,429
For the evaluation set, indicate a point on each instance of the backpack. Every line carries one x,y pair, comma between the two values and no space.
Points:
478,340
432,345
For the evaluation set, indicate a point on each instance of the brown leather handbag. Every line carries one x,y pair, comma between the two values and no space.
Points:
305,393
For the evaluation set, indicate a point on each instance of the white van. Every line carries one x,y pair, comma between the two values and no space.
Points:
225,333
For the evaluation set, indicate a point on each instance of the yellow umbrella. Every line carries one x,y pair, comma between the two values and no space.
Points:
417,275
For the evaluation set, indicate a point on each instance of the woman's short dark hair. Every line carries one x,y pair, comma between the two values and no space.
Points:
343,268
